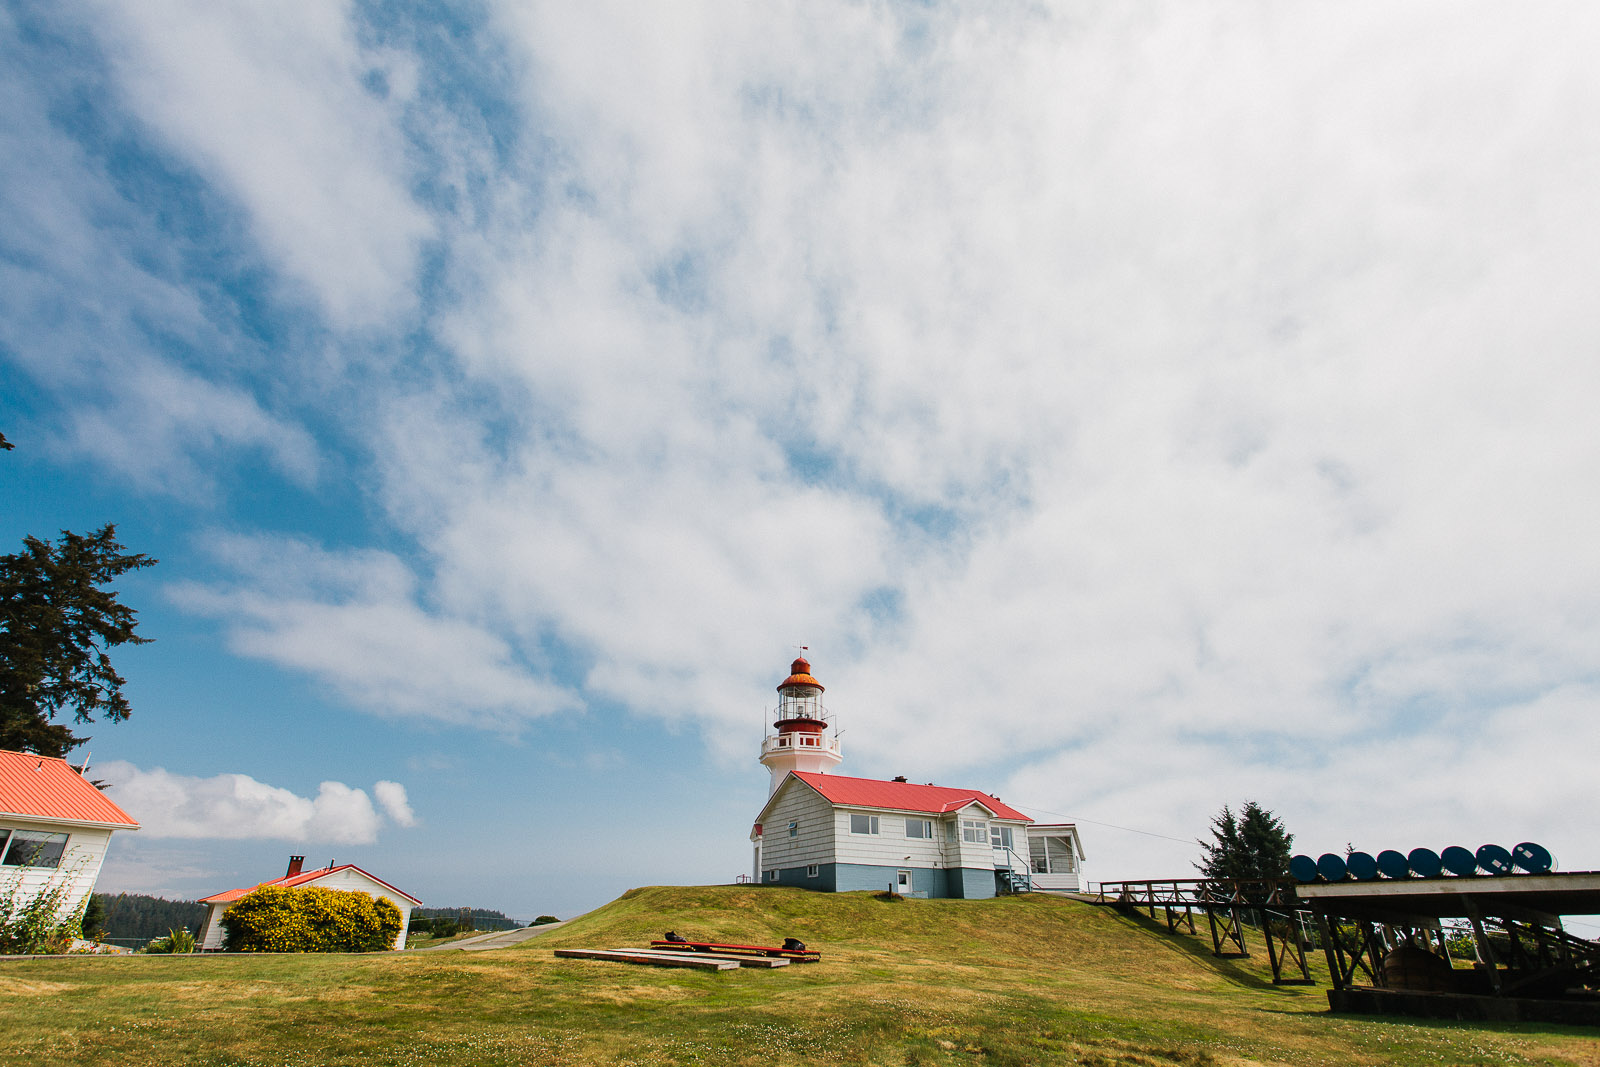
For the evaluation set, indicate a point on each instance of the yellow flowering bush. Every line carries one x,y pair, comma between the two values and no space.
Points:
313,919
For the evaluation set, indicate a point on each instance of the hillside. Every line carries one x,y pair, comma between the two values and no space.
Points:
1022,980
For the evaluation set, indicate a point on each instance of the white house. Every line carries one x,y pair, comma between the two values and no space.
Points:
346,877
55,827
833,833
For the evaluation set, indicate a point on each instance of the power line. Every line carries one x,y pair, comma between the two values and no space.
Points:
1112,825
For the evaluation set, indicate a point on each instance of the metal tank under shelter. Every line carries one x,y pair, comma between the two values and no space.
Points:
1382,923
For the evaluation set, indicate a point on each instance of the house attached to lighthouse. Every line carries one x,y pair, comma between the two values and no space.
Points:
829,832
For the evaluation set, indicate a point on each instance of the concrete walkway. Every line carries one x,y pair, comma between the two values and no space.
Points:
498,939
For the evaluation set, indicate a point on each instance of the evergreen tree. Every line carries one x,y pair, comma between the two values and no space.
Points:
1251,845
57,626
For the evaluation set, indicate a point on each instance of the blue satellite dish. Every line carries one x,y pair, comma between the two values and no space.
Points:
1459,861
1362,867
1392,864
1331,867
1303,869
1424,862
1535,859
1494,859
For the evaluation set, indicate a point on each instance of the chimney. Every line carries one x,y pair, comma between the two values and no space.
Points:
295,863
899,777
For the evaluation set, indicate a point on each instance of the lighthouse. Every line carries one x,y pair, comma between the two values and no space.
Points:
802,741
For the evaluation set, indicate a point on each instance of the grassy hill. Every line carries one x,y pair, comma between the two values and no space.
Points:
1020,980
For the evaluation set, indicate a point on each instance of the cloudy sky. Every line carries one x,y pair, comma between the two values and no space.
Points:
1135,407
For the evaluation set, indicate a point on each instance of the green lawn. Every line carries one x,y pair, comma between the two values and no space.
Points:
1019,980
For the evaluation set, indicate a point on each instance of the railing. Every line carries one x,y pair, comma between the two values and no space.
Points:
799,743
800,709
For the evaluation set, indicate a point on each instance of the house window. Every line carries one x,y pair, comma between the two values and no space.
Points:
919,828
950,830
772,876
794,829
974,831
1000,836
863,824
903,880
812,871
30,848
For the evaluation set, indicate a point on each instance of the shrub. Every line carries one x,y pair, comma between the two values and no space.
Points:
314,919
544,919
41,923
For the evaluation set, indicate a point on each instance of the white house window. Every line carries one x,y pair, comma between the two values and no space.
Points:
1000,836
794,829
812,871
919,828
974,831
772,876
863,824
950,830
903,878
30,848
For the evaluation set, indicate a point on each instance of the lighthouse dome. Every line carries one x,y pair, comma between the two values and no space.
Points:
800,674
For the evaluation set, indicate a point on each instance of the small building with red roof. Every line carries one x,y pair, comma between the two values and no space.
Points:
834,833
55,827
345,877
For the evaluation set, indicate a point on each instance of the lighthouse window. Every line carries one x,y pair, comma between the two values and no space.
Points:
863,824
919,828
974,831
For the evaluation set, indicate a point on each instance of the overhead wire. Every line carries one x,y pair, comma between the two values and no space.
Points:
1112,825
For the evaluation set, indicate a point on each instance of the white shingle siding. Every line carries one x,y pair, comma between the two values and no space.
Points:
79,866
814,829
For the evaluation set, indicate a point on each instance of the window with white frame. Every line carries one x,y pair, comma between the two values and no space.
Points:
863,824
919,828
974,831
1000,836
794,829
813,871
32,848
772,876
903,880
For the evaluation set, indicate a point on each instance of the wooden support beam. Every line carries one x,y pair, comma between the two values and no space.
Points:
645,956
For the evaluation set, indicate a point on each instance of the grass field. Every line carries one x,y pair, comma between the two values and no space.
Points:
1017,980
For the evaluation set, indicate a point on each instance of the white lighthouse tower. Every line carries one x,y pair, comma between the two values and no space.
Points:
802,741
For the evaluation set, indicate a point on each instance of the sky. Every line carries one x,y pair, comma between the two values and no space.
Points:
1134,408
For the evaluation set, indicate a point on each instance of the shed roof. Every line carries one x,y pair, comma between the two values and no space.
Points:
304,878
903,796
45,787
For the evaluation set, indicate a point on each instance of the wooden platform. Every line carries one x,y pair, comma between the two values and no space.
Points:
698,962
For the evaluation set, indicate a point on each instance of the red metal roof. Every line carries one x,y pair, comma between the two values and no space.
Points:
294,881
44,787
902,796
800,674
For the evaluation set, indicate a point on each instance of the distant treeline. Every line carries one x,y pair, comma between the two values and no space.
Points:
480,918
134,916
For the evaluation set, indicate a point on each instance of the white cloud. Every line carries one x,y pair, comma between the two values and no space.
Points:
235,806
1170,405
392,798
352,621
275,102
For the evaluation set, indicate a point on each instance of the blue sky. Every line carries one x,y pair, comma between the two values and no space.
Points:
1136,409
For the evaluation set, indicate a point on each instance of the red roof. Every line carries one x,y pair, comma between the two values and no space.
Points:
902,796
44,787
800,674
294,881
